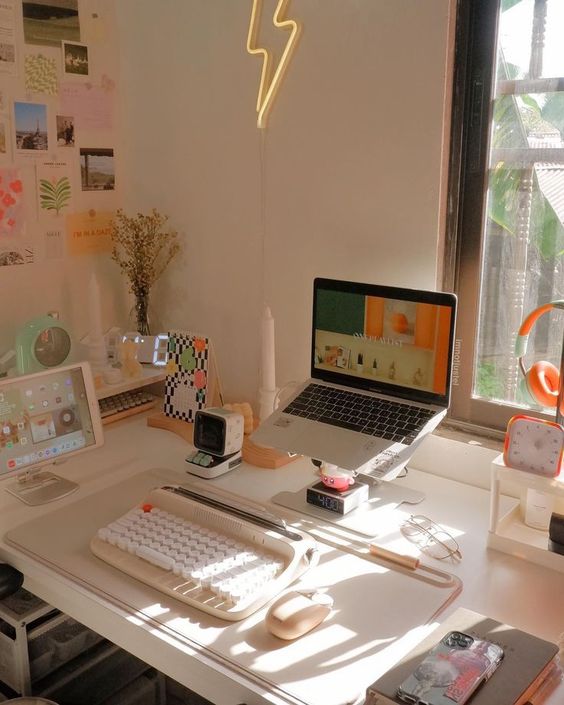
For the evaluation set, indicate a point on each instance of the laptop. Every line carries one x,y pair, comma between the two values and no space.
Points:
381,361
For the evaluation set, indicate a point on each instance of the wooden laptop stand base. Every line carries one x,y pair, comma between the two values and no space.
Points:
260,456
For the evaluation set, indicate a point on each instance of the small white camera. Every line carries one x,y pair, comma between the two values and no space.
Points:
218,431
218,437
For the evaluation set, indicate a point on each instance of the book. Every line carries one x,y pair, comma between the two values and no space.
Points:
527,660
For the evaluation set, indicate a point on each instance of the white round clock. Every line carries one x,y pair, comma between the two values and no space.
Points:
534,445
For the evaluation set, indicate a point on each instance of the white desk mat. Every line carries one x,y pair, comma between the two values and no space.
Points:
378,613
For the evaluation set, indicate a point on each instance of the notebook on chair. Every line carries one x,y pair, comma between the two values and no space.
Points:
381,361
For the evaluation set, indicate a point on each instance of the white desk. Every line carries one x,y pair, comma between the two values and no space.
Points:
505,588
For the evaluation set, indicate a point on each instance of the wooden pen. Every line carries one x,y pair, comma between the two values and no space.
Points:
406,561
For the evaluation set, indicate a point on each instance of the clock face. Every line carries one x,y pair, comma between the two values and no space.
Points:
534,445
52,346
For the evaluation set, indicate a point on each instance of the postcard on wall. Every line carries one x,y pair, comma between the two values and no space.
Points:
5,143
97,171
40,74
89,232
187,375
54,244
30,128
75,59
7,38
11,255
49,22
91,106
65,130
53,188
11,203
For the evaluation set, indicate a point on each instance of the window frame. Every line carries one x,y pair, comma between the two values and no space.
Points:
472,109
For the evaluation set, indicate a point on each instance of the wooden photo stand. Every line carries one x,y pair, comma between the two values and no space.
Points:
254,454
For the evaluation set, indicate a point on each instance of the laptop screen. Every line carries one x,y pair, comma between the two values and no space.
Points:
384,339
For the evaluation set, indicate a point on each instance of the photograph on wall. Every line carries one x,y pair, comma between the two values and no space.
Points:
30,127
49,22
40,74
97,169
11,203
11,256
53,188
399,320
4,140
75,59
7,38
65,131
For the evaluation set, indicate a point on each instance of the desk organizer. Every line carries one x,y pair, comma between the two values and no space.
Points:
509,533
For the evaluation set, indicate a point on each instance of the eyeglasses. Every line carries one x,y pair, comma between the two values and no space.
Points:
430,537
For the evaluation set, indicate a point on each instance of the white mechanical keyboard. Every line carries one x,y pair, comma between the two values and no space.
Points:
225,559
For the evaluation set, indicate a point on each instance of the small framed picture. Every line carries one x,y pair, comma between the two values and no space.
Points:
75,59
65,131
30,127
5,146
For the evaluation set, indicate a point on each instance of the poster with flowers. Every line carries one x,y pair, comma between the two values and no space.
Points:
13,248
11,202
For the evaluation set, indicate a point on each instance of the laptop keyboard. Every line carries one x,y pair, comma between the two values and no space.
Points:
386,419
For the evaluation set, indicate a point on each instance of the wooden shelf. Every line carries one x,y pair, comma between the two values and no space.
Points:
151,375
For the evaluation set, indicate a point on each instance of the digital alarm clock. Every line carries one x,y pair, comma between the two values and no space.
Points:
337,501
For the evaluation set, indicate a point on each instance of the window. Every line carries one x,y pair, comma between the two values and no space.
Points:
507,196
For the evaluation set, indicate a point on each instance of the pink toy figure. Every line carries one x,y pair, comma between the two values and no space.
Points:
336,478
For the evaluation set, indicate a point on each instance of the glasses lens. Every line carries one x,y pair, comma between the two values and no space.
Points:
429,537
441,545
416,525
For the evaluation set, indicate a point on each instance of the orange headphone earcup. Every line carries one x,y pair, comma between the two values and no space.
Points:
543,380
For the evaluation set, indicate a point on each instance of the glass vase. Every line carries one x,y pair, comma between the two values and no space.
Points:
139,316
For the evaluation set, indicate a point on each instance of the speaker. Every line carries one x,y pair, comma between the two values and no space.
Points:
542,379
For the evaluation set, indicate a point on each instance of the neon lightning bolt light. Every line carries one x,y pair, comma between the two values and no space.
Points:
269,89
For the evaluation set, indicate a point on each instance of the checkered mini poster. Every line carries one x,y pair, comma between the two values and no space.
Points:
187,375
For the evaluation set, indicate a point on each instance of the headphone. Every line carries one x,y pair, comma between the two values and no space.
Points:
542,380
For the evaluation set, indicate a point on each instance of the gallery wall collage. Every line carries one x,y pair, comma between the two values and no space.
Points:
57,130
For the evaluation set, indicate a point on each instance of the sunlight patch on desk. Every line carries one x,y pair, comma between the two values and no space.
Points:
150,612
358,652
331,571
242,648
136,620
315,642
155,610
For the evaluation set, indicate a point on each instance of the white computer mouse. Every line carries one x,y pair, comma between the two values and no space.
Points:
296,613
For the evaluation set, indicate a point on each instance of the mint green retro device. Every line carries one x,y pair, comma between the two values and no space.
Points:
42,343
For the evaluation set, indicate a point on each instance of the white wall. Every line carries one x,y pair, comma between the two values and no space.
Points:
27,291
351,161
